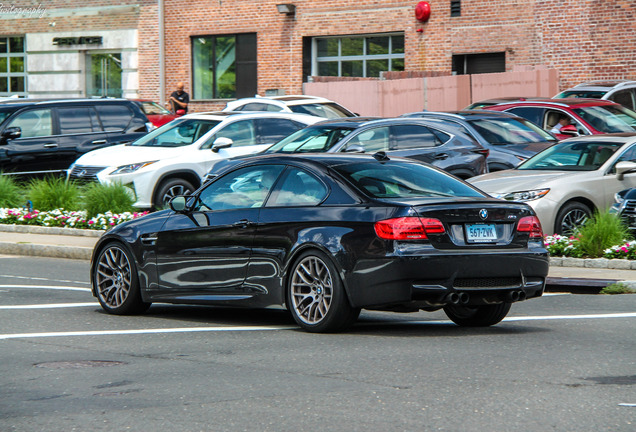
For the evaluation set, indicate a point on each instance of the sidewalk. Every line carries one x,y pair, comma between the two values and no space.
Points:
577,275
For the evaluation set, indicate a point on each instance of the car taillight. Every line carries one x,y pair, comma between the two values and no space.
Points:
408,228
531,225
484,152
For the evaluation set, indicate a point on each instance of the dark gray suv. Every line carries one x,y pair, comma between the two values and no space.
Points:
39,137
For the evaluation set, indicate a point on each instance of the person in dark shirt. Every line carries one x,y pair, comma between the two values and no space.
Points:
179,99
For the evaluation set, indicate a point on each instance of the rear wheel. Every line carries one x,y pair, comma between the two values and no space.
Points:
169,189
477,316
116,282
317,299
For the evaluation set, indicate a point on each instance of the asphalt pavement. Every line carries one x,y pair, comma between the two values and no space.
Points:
574,275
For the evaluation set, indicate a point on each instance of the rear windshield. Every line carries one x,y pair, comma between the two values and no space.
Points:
326,110
399,179
591,94
312,139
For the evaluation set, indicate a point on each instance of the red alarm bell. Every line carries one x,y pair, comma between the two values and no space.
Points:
423,11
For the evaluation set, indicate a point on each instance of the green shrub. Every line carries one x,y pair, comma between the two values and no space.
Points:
601,231
10,193
99,198
53,193
617,288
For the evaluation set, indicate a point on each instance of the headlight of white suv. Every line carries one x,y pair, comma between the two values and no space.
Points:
523,196
127,169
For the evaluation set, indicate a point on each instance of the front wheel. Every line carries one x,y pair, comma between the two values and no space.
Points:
570,217
116,282
169,189
316,297
477,316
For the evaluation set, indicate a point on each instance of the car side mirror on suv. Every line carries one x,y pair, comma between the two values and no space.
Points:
221,143
623,168
10,133
569,130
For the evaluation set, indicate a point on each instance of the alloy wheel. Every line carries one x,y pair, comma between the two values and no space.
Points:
113,277
311,290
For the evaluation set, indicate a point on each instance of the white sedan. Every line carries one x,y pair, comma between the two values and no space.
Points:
567,182
173,159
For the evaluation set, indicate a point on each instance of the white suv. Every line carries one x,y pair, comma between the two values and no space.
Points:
301,104
619,91
173,159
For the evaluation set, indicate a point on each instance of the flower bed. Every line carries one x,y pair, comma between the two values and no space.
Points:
64,218
562,246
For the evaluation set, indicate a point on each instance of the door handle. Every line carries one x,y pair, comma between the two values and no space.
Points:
441,156
50,145
99,142
243,223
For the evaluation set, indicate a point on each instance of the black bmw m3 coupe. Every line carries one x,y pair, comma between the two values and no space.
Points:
325,235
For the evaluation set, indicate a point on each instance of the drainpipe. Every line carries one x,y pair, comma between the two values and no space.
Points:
162,59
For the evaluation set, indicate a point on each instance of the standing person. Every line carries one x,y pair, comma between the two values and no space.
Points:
179,99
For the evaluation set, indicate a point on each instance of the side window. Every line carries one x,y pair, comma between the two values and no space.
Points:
535,115
34,123
253,106
241,133
243,188
625,98
74,120
298,188
272,130
414,136
372,140
114,118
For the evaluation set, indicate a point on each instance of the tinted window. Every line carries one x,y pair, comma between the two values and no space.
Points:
274,129
257,106
591,94
371,140
243,188
298,188
326,110
415,136
177,133
510,131
78,120
114,117
625,98
535,115
241,133
34,123
312,139
154,108
397,179
6,112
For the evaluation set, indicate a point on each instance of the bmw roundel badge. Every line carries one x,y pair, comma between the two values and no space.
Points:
483,213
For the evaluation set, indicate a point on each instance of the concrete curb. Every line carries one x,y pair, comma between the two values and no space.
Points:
31,249
36,229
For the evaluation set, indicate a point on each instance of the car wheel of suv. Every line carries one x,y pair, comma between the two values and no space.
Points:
116,283
570,217
477,316
169,189
316,297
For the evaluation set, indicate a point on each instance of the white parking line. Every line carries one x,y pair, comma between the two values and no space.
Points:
49,306
51,287
271,328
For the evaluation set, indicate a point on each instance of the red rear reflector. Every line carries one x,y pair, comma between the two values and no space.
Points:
408,228
531,225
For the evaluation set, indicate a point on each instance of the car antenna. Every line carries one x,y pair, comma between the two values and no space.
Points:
381,156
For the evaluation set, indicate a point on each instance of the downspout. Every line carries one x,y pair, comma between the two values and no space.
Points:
162,59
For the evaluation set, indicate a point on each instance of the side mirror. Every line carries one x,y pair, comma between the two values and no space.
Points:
180,112
623,168
354,148
11,133
178,204
221,143
569,130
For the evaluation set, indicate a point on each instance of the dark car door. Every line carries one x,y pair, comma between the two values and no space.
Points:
80,132
36,150
204,254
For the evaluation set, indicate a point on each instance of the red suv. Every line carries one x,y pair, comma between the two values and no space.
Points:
585,116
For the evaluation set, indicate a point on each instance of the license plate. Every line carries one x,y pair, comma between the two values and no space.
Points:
481,233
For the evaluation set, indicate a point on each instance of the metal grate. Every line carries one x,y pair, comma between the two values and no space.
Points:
455,8
85,173
479,283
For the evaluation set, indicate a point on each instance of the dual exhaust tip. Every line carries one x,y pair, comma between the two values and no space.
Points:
462,298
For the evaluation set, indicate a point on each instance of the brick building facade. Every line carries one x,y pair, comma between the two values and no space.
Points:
241,47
